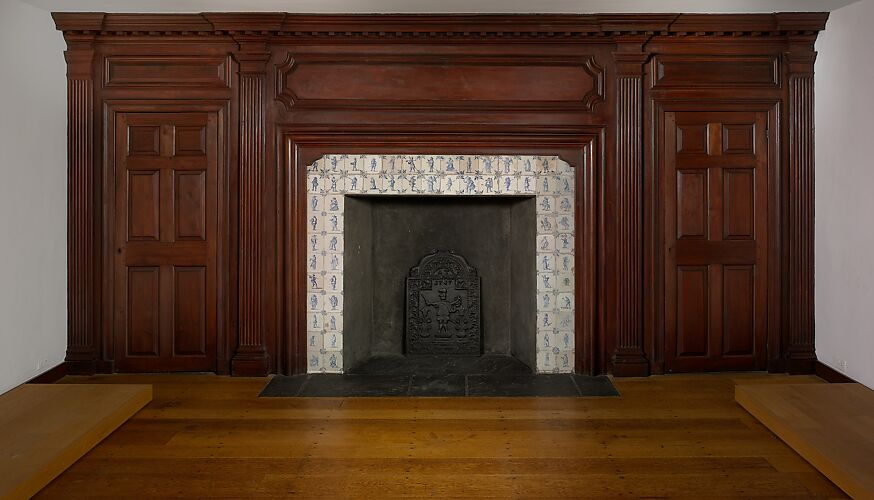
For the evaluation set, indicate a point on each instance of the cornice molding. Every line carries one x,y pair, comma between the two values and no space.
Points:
507,27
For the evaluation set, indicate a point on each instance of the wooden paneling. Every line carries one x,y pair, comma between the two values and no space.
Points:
516,84
716,307
165,266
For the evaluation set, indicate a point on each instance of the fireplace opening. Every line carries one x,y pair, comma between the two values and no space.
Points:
388,236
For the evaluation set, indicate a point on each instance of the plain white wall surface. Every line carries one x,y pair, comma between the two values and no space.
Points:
33,194
844,253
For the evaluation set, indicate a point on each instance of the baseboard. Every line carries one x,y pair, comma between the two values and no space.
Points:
829,374
51,375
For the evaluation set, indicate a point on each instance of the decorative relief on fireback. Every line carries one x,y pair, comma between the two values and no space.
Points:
443,306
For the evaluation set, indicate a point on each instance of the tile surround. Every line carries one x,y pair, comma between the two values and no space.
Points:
548,178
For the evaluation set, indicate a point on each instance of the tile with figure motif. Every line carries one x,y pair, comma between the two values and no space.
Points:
334,203
333,242
565,204
315,222
333,262
545,243
315,302
546,282
565,262
333,341
332,362
334,322
564,360
564,242
545,340
316,184
546,319
314,361
315,322
373,183
546,224
334,302
545,205
565,282
546,301
545,361
565,320
315,341
334,222
564,223
315,203
356,184
315,263
564,339
509,184
545,262
333,282
431,165
527,184
565,301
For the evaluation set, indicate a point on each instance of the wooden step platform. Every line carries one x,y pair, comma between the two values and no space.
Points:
830,425
45,428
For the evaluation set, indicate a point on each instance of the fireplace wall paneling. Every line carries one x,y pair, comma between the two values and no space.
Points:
274,92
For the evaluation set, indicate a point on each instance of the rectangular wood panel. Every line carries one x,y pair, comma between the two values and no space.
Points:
739,310
143,141
167,71
693,311
692,200
143,311
190,141
143,210
686,70
190,205
739,211
189,311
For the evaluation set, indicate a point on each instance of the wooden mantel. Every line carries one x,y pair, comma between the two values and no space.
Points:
691,135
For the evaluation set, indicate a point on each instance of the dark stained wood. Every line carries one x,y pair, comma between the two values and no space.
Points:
166,213
287,88
667,436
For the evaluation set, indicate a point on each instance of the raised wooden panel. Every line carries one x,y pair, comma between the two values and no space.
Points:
143,311
189,310
693,311
143,211
190,205
739,211
739,310
692,204
680,70
190,141
738,139
440,81
167,71
692,139
144,141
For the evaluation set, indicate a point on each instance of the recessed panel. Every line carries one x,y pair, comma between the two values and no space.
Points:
143,140
692,205
143,211
739,310
190,141
739,202
143,311
190,203
692,139
738,139
693,311
189,314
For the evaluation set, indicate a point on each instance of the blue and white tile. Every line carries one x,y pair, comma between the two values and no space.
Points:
509,184
334,322
356,184
546,282
333,302
564,361
315,322
333,282
564,204
333,341
334,223
565,282
316,184
546,320
564,243
527,184
546,224
545,205
373,183
333,262
332,362
546,262
565,301
564,223
545,243
546,301
565,320
315,302
334,203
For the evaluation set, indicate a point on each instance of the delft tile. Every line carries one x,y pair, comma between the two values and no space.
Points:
333,242
509,184
315,263
392,164
545,205
546,224
465,164
565,320
431,165
565,301
490,185
315,340
315,322
563,167
546,282
546,301
332,362
390,184
565,339
545,165
335,183
450,165
334,164
333,322
565,282
488,165
545,320
314,243
333,341
373,183
432,184
315,302
371,164
564,185
564,242
333,262
410,184
334,223
546,262
315,202
355,184
334,303
564,223
545,361
416,164
355,163
313,167
564,204
505,165
565,262
334,203
459,184
528,164
545,184
315,281
545,243
333,282
315,184
314,361
564,360
527,184
545,340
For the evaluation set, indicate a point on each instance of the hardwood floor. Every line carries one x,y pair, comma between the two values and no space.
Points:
667,436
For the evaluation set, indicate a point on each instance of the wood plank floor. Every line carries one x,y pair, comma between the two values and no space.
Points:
668,436
832,426
46,428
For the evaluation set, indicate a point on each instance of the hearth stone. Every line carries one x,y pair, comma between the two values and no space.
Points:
443,307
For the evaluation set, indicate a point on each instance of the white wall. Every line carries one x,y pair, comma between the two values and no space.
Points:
33,183
845,192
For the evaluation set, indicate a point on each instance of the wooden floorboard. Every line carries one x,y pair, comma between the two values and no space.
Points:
670,436
832,426
46,428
